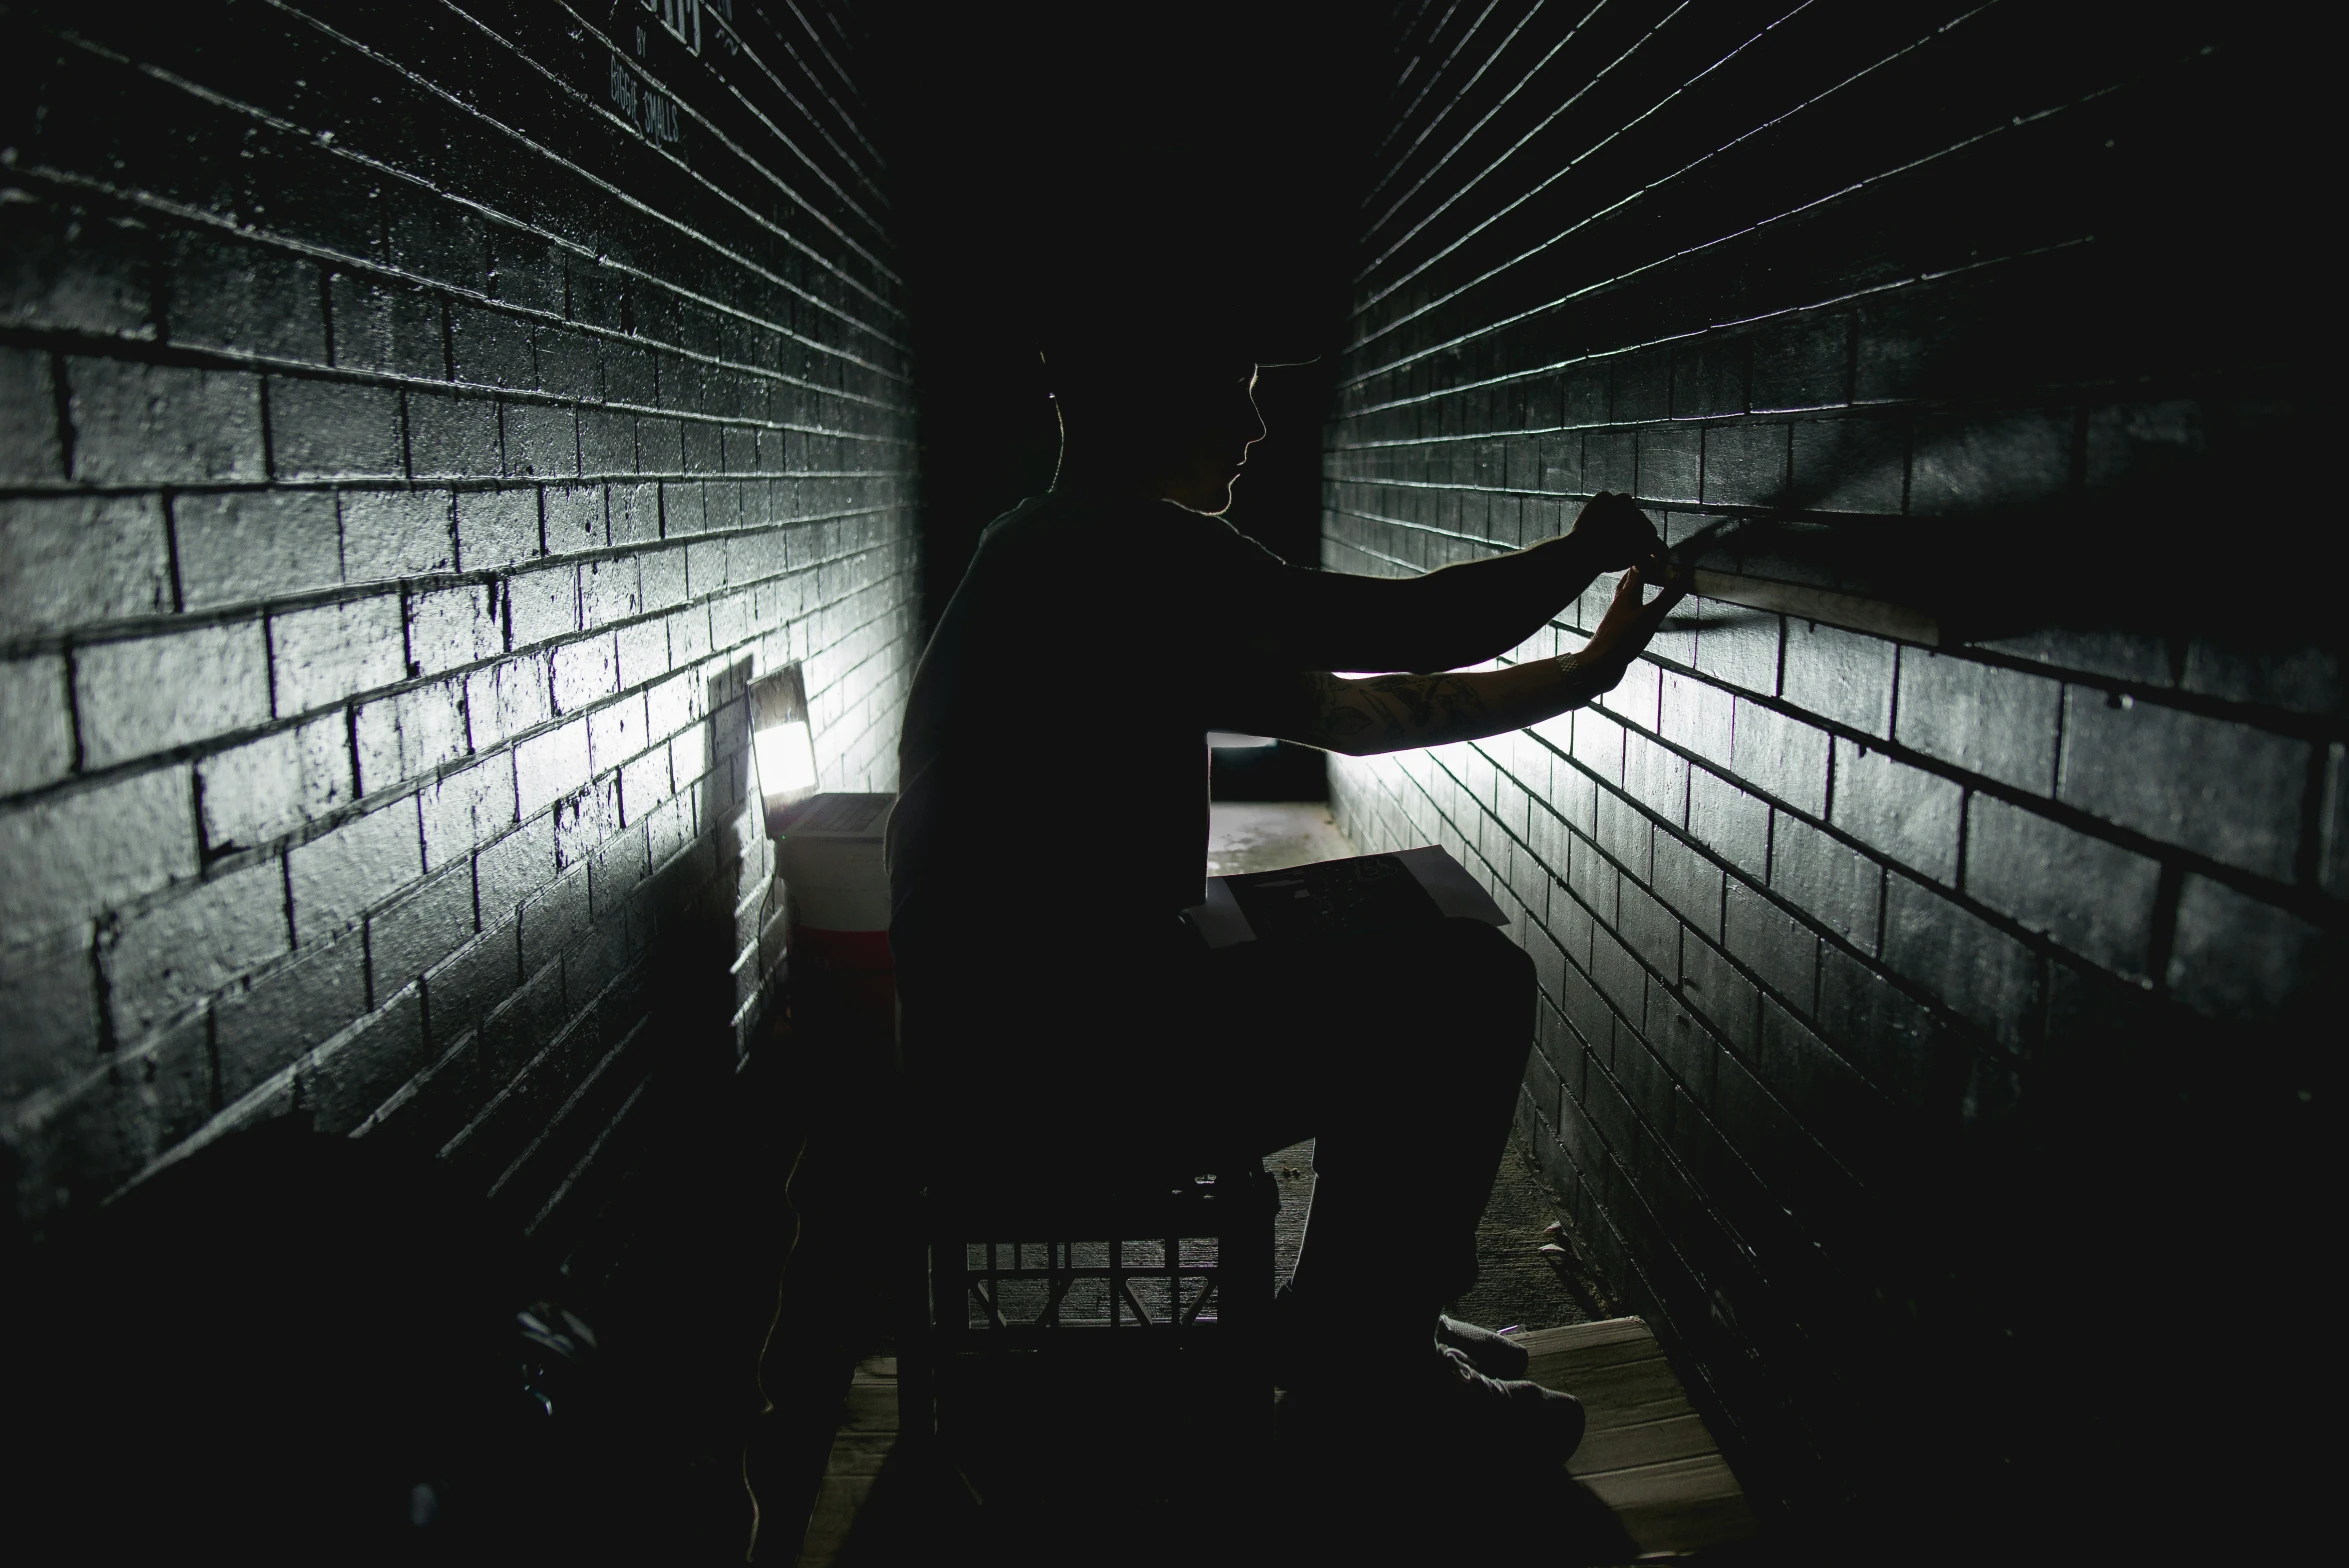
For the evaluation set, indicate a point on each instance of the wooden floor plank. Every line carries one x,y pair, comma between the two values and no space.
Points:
1671,1483
1608,1416
1593,1357
1689,1525
1677,1436
1681,1517
1585,1336
860,1448
1555,1371
1581,1363
1639,1382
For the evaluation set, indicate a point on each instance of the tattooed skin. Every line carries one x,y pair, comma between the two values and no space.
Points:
1395,712
1393,705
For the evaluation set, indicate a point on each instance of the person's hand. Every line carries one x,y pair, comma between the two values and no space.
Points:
1617,533
1628,625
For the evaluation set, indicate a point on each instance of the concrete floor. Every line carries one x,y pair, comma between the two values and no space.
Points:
1516,1286
1247,835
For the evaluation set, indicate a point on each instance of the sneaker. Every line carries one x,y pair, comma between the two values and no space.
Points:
1495,1354
1492,1351
1504,1411
1442,1403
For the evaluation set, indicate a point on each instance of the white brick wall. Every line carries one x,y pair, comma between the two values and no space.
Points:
400,481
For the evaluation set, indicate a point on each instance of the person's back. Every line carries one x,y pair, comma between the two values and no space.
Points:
1090,635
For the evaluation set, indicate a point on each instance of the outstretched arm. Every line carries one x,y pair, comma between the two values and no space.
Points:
1394,712
1465,613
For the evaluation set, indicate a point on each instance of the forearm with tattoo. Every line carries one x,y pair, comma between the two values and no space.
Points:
1394,712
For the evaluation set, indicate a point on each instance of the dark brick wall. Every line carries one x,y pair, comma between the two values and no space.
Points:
1906,990
419,424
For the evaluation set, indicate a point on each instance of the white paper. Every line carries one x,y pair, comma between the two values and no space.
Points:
1455,892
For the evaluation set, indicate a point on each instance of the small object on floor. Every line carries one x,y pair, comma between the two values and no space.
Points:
1492,1354
558,1352
1562,1259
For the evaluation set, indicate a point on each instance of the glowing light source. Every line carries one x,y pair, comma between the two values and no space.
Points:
787,760
782,743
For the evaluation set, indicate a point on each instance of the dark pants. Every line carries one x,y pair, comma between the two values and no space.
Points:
1400,1055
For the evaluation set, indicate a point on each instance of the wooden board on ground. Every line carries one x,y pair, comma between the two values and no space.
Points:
1647,1455
861,1446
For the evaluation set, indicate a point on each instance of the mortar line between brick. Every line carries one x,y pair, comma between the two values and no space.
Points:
61,399
367,804
2165,928
1831,302
1402,117
2308,860
2055,759
268,442
1719,1043
563,1189
276,122
213,868
711,129
129,628
197,217
2038,943
2044,806
76,753
1452,101
825,94
1664,1145
1569,166
269,663
476,483
1867,183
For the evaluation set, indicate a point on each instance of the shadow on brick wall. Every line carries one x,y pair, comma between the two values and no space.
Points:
681,1003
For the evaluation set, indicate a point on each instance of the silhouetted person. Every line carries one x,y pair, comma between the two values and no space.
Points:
1059,1003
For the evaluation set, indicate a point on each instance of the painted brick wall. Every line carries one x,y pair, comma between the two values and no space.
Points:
1858,940
419,425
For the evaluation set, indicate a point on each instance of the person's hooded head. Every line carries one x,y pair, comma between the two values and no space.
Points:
1150,350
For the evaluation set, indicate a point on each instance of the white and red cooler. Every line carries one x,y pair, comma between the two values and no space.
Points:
829,850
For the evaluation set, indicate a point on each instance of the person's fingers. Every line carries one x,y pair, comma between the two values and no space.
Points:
1653,615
